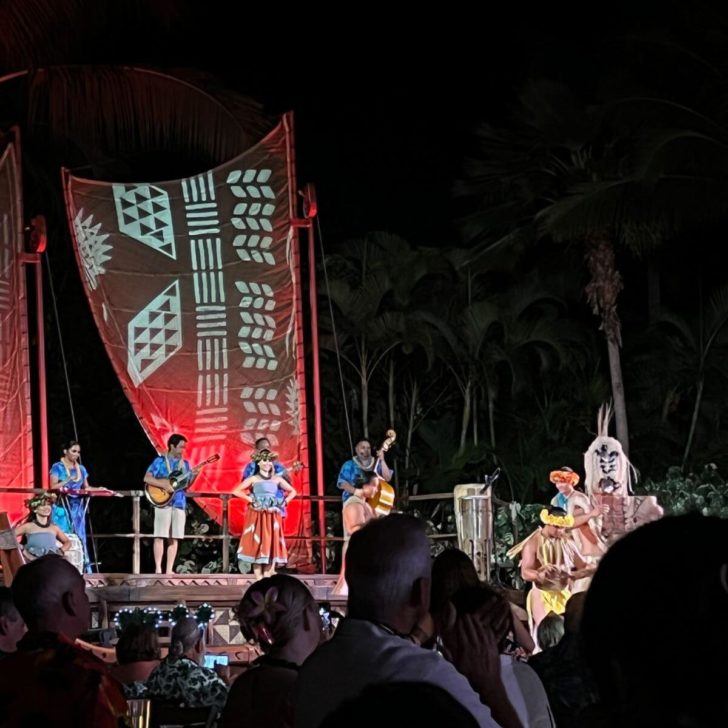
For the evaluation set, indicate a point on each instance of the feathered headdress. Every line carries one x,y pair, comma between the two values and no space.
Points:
626,473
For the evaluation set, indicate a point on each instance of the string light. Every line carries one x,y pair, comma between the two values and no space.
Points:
147,616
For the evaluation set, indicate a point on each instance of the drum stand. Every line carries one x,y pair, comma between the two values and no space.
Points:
87,563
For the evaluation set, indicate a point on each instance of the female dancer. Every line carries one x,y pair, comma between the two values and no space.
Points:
41,534
262,543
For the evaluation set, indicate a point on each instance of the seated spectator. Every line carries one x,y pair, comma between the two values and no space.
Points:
180,678
49,680
550,631
564,672
137,655
654,625
453,570
279,614
11,623
399,704
388,570
523,687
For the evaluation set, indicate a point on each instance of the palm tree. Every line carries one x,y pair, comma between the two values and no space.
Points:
624,174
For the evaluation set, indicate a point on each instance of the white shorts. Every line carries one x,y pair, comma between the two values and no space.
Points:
168,520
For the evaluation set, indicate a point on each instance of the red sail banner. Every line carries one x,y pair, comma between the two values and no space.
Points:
16,436
195,289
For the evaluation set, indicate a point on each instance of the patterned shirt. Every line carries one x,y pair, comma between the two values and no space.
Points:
185,682
160,469
50,681
353,474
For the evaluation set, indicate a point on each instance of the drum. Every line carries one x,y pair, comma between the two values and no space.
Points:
74,555
627,512
475,532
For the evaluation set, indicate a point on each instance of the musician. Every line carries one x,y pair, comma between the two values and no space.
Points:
263,443
357,481
551,562
69,475
41,534
351,475
169,522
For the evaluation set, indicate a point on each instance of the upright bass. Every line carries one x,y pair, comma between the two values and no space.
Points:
382,501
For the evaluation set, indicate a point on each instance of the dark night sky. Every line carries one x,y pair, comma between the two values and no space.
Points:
384,108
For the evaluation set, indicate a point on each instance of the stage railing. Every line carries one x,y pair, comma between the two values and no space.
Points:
225,536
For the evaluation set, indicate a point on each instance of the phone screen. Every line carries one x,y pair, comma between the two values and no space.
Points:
212,660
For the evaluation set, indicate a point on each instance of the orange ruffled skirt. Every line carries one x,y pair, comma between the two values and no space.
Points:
262,540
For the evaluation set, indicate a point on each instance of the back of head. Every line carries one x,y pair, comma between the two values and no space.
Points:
452,570
383,562
401,704
49,594
138,643
550,631
11,623
7,605
574,612
271,610
655,618
186,633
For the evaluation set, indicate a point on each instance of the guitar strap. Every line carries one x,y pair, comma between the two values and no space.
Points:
183,465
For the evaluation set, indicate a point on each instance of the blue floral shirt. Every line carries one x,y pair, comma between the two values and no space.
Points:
158,469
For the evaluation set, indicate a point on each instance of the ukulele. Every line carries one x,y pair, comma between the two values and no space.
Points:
160,498
382,501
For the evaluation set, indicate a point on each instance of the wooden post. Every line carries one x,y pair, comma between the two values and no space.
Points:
225,497
136,527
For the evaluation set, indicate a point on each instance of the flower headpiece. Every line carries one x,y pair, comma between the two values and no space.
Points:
258,614
551,519
263,456
40,499
564,475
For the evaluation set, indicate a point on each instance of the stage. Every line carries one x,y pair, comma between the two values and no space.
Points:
108,593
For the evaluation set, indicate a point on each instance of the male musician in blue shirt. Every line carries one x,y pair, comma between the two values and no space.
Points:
169,522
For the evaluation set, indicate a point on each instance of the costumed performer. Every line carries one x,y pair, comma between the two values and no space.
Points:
551,561
262,543
40,535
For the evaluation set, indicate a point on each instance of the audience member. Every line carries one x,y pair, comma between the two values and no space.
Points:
388,569
564,672
49,680
550,631
453,570
138,654
648,672
522,685
279,614
11,623
398,704
180,678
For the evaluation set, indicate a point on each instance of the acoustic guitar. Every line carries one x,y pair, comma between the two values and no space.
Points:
382,501
160,498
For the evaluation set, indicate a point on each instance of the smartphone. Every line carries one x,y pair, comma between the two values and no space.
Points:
212,660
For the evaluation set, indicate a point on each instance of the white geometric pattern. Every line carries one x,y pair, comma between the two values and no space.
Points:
254,248
92,247
143,213
258,356
154,334
256,295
